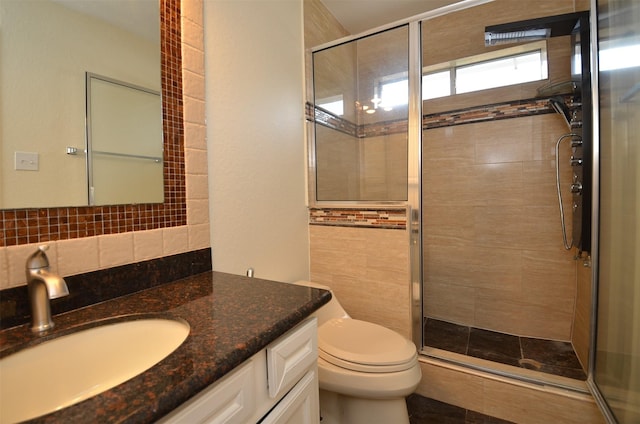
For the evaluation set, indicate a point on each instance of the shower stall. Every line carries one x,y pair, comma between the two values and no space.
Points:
468,142
487,144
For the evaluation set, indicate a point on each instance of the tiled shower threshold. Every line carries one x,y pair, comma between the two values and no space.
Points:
546,356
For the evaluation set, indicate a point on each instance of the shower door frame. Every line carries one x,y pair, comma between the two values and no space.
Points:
413,204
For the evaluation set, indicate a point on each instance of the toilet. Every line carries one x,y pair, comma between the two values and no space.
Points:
365,370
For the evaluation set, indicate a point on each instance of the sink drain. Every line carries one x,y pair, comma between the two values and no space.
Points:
530,364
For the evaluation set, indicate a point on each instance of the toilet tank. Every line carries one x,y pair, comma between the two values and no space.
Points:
330,310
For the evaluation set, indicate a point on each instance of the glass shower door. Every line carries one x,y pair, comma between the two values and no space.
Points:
361,97
617,353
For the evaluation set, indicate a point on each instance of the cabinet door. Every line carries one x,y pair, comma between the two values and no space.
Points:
231,401
290,357
300,405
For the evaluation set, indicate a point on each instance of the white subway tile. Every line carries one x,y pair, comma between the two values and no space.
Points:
199,236
116,249
175,240
77,256
147,244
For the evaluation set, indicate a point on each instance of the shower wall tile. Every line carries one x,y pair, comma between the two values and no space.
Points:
497,184
453,302
500,309
555,323
443,151
505,398
455,224
549,278
580,336
491,227
368,271
529,405
507,142
472,266
541,182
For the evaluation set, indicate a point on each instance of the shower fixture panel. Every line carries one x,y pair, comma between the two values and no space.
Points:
532,29
571,100
580,122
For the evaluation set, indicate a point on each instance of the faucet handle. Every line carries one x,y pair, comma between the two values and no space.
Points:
38,259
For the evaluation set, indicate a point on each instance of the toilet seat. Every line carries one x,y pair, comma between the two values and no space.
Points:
363,346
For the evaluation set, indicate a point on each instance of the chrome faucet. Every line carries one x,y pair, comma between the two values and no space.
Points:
42,285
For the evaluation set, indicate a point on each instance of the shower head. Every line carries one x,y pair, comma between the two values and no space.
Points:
561,107
532,29
495,38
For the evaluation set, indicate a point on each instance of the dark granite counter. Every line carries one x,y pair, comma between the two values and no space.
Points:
231,318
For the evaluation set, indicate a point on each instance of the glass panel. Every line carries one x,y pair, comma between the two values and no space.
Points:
497,283
617,358
361,150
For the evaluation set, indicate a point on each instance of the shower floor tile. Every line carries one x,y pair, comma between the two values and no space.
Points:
497,347
423,410
447,336
548,356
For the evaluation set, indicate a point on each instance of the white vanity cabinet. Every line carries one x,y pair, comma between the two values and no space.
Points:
277,385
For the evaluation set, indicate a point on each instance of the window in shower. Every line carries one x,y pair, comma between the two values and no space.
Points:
361,119
508,66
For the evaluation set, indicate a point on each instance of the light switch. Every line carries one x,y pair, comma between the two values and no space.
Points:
26,161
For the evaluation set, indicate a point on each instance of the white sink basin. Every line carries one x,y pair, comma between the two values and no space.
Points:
71,368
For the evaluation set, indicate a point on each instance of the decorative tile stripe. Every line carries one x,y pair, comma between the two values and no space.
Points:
494,112
23,226
484,113
393,218
332,121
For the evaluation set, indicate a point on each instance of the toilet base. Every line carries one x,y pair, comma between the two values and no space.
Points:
341,409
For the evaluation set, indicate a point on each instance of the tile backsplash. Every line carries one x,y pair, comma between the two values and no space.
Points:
98,286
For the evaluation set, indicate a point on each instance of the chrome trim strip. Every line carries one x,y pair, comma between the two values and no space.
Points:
464,4
414,180
595,219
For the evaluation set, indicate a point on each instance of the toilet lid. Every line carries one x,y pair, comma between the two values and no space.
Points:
364,346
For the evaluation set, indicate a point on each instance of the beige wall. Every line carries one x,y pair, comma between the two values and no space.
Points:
493,254
255,136
69,257
368,270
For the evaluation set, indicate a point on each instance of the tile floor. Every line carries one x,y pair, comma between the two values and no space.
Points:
547,356
423,410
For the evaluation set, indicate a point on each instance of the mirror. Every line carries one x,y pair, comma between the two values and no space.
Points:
48,47
36,225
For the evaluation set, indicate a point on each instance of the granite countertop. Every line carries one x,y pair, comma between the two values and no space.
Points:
231,317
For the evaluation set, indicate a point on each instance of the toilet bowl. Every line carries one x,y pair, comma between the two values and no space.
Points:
365,370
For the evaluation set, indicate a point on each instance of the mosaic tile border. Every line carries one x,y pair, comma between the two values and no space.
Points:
484,113
23,226
391,218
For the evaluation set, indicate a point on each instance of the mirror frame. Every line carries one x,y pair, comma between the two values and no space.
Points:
37,225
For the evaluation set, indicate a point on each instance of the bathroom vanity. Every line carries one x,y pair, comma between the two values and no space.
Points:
250,355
